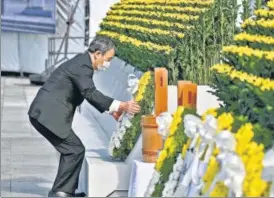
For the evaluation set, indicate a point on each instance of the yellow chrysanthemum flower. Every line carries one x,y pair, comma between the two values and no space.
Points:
225,121
185,147
160,160
169,141
211,111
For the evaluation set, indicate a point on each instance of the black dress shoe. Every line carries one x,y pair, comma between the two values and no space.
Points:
81,194
59,194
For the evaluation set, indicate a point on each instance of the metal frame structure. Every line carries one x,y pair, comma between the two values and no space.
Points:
53,57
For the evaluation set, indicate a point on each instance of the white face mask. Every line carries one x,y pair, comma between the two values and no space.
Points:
105,66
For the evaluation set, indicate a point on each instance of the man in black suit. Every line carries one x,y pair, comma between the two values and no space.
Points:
51,112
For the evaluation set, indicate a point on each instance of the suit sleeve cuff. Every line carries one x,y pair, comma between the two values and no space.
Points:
114,106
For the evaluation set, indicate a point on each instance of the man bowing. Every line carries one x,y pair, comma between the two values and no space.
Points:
51,112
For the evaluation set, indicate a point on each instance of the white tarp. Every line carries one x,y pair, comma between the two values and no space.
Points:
27,52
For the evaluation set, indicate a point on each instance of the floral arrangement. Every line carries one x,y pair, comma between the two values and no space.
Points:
128,127
250,152
168,165
154,33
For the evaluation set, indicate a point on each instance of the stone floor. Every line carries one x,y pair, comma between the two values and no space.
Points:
28,162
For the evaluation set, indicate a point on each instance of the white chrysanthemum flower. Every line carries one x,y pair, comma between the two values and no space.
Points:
176,175
120,135
156,176
117,142
173,184
170,177
180,161
127,123
122,129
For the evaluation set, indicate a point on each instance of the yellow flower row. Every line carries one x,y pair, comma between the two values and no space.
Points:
262,83
148,21
264,13
162,8
261,23
170,2
247,51
129,40
143,82
252,156
169,147
270,4
144,29
254,38
183,17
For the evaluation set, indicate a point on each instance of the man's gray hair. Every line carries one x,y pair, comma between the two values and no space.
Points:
102,44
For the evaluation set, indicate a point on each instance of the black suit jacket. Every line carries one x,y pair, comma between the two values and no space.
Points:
55,103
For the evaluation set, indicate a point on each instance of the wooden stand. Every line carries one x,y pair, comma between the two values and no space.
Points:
152,141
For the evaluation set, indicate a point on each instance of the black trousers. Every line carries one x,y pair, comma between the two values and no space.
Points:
72,152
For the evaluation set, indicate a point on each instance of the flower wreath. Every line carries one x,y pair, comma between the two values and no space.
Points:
128,128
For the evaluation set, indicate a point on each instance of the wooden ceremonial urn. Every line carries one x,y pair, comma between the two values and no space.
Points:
152,141
187,94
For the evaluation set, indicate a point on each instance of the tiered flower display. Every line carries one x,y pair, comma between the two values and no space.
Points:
242,129
245,83
128,128
182,35
245,80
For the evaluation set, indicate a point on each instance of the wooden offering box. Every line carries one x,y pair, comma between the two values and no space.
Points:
152,141
187,94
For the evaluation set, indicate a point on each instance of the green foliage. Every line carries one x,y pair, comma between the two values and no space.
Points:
194,54
163,39
245,99
247,11
251,64
264,31
256,45
201,46
128,52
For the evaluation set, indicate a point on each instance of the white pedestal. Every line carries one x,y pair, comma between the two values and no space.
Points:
205,100
105,178
141,174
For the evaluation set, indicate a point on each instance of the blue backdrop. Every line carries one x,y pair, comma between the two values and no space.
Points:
33,16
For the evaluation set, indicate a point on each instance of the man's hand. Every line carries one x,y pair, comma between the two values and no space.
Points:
131,107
